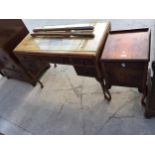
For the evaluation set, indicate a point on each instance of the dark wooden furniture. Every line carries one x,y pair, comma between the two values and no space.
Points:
125,59
82,53
12,31
150,106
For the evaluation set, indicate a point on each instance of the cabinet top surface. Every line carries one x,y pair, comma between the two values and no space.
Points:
65,45
127,45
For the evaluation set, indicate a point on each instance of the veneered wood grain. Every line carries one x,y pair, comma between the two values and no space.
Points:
127,45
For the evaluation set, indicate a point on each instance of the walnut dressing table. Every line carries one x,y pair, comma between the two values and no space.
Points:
82,53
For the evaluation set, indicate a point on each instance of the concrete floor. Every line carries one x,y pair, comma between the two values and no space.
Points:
70,104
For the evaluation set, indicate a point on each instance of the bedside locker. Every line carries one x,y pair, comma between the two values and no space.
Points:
125,58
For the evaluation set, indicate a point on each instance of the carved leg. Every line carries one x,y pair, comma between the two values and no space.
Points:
107,94
150,106
1,73
144,96
41,84
143,101
104,87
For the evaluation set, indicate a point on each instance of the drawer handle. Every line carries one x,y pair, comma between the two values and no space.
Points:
123,65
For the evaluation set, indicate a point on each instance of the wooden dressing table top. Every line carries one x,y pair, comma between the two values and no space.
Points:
72,46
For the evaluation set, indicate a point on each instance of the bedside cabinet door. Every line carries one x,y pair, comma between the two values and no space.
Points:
125,73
